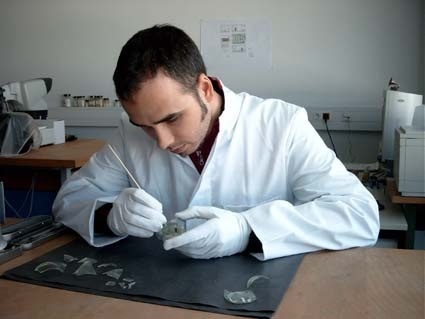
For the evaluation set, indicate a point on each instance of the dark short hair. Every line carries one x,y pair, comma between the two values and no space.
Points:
161,47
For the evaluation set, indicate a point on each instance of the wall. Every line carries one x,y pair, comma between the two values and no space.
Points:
336,53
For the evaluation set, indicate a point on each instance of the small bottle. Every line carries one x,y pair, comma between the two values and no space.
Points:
75,101
91,101
99,101
81,101
117,103
105,102
67,102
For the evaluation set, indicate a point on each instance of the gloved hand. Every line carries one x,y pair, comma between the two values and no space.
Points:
223,234
135,213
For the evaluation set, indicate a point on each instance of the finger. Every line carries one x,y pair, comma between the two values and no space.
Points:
193,235
196,249
142,197
139,232
146,212
196,212
152,225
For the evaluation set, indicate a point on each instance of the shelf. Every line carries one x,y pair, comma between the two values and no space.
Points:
87,116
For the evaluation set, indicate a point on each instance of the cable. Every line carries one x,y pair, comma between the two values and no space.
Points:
330,137
350,144
30,191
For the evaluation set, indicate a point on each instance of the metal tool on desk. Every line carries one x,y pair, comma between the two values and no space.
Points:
2,207
3,242
39,236
28,234
7,253
10,253
25,226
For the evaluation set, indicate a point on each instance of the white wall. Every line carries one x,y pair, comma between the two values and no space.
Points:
337,53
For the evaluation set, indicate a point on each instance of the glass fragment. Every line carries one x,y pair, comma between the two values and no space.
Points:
244,296
239,297
88,259
114,273
255,278
49,265
110,283
172,228
107,265
128,279
131,284
86,267
69,258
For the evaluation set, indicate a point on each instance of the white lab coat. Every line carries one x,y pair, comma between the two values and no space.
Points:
267,160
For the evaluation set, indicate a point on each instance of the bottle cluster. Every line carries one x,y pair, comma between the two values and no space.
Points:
89,101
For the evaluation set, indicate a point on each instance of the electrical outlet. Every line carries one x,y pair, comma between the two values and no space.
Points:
326,116
346,116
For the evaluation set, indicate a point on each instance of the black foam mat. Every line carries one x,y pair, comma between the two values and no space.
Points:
167,277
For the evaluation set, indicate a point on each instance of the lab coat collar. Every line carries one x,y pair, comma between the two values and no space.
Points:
230,115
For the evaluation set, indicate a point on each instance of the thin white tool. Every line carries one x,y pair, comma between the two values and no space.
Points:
123,165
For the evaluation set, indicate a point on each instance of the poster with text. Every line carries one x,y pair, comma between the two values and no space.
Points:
236,43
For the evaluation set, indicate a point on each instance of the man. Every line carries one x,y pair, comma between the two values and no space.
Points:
244,173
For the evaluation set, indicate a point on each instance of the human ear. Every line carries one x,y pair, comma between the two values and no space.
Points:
205,88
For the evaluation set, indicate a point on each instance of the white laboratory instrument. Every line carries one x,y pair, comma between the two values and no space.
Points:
409,156
398,110
28,96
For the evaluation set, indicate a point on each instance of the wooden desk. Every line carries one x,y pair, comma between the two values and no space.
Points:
410,205
351,284
67,156
397,198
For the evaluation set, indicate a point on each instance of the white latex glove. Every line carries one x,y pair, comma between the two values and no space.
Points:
224,233
135,213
